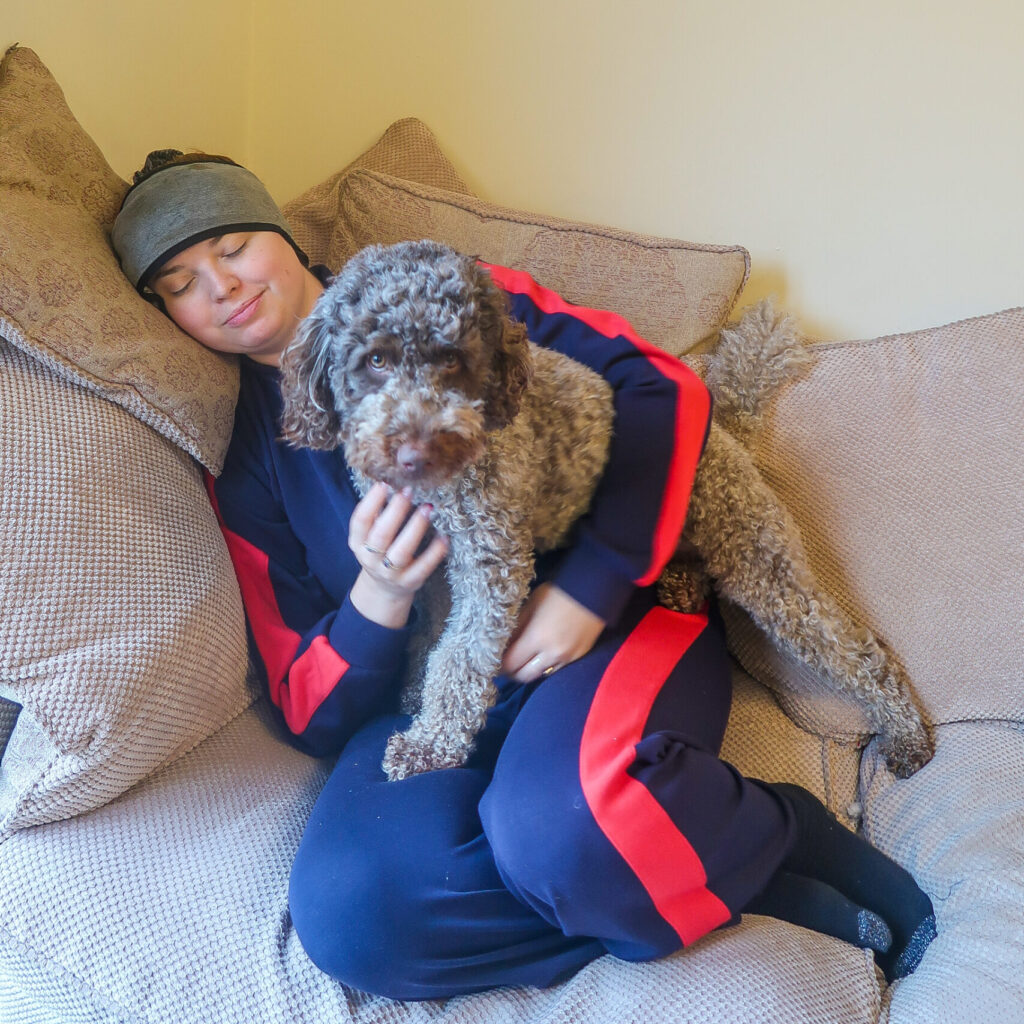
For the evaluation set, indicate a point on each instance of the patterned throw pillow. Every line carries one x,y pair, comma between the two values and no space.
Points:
676,294
122,641
63,297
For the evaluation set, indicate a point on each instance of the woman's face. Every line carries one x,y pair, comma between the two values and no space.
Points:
243,292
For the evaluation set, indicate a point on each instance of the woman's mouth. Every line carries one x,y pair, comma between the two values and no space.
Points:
244,312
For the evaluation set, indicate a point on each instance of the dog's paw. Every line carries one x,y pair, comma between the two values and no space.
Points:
908,753
406,755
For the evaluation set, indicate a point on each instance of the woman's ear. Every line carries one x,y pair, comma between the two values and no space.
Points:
511,360
310,418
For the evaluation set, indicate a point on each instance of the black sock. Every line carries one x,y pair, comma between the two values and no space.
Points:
813,904
826,850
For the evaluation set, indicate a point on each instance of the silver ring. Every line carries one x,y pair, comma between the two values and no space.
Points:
372,549
388,564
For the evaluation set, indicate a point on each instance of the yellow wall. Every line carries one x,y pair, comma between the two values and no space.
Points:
147,75
869,155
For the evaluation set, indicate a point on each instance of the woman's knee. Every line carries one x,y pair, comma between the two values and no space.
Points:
357,920
542,835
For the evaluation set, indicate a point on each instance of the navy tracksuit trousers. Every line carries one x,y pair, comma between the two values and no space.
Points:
594,816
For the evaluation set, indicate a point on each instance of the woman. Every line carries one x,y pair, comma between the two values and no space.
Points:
595,814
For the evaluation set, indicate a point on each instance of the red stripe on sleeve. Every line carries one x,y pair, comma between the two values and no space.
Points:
693,407
310,682
298,686
634,822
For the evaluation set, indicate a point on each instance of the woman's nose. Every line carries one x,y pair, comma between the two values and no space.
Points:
223,283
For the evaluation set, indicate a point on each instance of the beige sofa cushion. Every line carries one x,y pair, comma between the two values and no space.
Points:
121,632
902,460
63,297
170,905
676,294
958,826
407,150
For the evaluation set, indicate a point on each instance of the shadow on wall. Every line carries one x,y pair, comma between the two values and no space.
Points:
769,281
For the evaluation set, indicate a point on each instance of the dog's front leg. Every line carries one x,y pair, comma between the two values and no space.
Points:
489,573
753,551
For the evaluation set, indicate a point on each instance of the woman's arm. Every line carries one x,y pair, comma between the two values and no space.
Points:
328,669
662,414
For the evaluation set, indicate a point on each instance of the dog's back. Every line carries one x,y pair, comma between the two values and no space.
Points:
567,416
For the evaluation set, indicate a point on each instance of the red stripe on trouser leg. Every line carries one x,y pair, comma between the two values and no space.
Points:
627,813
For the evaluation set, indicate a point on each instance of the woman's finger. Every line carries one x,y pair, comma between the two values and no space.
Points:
425,564
388,523
365,514
402,550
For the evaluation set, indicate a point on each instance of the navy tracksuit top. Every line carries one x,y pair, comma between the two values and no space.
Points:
285,515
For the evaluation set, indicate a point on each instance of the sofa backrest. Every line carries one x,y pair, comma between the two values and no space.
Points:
902,459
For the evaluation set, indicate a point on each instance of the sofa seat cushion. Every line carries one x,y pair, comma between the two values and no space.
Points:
957,826
169,904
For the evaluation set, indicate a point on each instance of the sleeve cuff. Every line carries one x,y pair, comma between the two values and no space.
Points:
584,574
368,644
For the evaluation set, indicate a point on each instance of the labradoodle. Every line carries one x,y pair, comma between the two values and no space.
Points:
411,363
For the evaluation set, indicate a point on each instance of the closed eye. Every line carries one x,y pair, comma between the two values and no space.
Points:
232,245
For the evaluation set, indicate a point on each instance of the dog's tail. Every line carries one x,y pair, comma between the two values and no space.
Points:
752,360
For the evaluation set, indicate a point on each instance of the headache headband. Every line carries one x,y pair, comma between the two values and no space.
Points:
181,204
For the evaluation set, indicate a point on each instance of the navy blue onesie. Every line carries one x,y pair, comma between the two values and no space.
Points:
594,815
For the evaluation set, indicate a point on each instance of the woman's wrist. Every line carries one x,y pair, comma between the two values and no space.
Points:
381,605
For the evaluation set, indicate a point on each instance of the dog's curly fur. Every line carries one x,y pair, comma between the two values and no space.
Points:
741,540
412,364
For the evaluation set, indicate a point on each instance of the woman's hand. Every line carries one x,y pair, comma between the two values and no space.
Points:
554,629
385,533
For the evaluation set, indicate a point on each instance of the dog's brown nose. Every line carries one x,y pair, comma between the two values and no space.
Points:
412,458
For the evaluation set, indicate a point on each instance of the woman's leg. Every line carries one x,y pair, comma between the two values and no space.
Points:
813,904
609,816
826,851
394,889
611,813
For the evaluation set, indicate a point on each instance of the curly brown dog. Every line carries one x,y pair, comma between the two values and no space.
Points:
411,363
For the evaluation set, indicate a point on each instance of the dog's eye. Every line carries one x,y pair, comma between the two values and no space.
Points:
377,361
450,360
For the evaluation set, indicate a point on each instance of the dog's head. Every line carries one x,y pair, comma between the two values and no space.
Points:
408,359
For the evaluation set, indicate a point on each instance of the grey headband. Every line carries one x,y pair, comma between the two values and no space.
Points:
181,204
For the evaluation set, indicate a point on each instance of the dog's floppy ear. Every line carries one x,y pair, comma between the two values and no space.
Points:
309,418
511,362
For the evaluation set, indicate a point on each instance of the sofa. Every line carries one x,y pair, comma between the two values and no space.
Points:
150,806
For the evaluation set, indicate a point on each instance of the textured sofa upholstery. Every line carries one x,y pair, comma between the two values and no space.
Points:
149,807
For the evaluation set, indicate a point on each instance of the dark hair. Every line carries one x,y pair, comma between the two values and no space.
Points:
161,158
